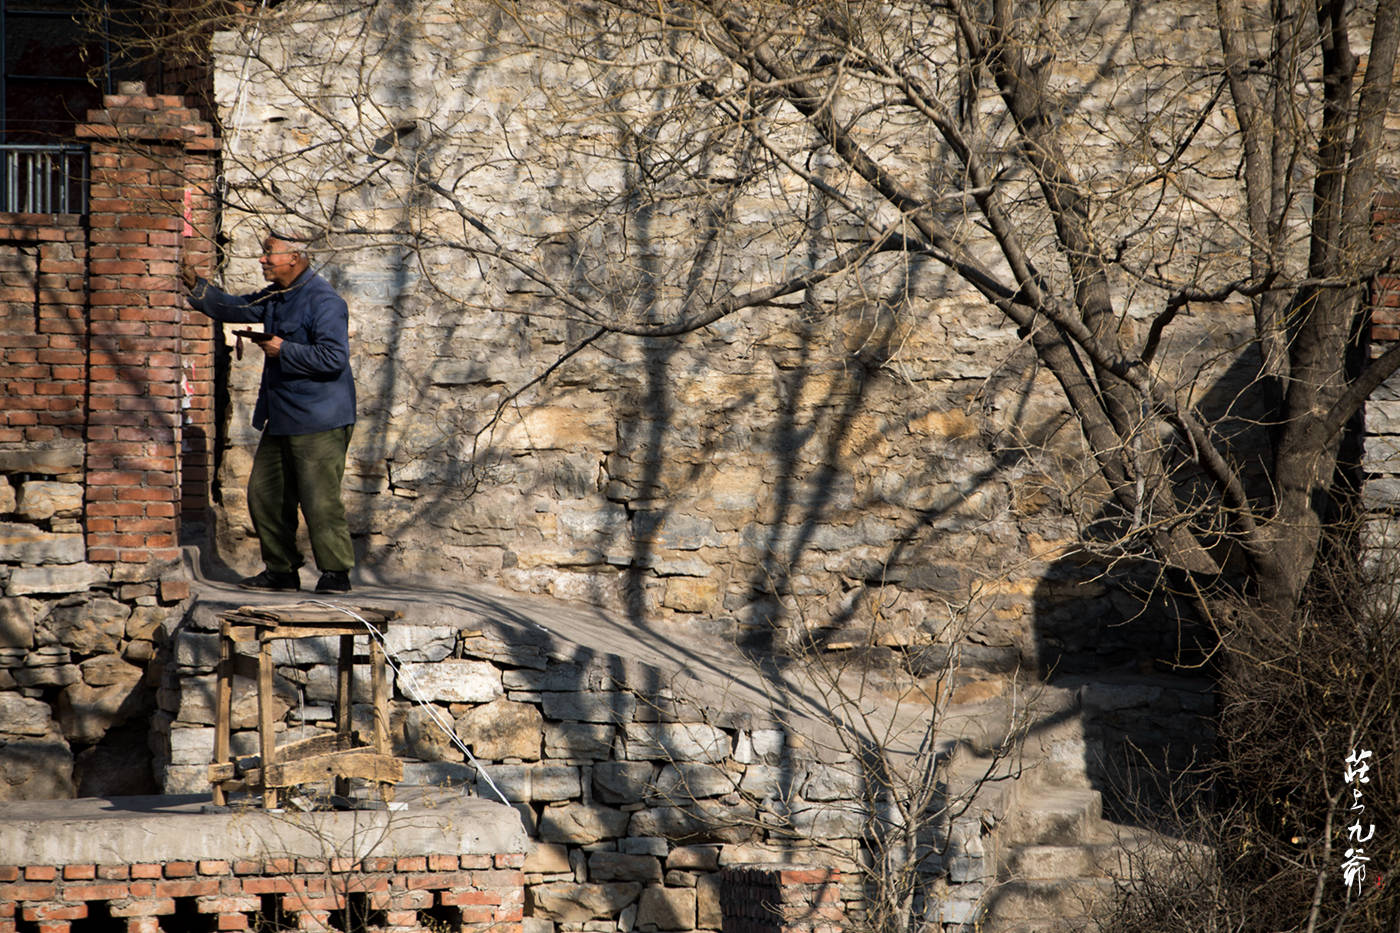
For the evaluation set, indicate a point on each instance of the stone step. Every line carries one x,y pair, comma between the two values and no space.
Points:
1016,904
1052,816
1051,862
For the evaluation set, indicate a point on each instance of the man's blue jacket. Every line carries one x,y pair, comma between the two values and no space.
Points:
308,386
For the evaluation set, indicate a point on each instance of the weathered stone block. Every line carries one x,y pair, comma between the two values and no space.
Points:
555,677
690,594
303,652
40,499
49,458
579,740
191,746
197,696
644,845
107,670
186,779
146,623
760,746
620,866
702,821
36,769
708,913
613,706
21,543
693,858
622,781
86,712
666,909
17,620
836,820
452,681
20,715
93,626
570,902
680,783
503,729
196,650
581,824
677,741
420,643
537,782
832,782
547,858
768,781
441,774
421,736
321,684
53,675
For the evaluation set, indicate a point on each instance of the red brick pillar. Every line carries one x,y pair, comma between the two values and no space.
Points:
1385,288
781,899
146,154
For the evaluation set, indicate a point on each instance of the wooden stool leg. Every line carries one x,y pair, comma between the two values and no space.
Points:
344,698
267,736
379,688
223,711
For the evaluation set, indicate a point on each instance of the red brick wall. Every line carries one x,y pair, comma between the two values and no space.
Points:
406,895
43,359
96,343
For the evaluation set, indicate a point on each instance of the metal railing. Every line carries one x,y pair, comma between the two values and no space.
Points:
44,179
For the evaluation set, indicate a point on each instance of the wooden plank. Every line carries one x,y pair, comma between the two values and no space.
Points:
266,735
379,696
358,763
314,612
309,630
316,745
223,712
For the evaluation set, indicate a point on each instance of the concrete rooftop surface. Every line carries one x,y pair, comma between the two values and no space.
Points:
114,830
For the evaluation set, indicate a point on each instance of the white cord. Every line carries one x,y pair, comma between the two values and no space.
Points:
414,693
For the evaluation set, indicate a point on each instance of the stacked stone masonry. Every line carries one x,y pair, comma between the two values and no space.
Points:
413,894
1382,438
638,796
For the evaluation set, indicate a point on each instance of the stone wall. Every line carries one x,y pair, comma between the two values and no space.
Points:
1381,460
641,780
886,457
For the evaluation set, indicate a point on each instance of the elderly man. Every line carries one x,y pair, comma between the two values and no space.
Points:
305,410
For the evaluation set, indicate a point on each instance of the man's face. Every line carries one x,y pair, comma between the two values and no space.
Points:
281,261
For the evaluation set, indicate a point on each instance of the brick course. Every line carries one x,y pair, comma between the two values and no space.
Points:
308,893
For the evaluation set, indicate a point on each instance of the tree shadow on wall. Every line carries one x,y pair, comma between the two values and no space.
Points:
1125,637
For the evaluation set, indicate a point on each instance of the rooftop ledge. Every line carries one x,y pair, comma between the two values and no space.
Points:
115,830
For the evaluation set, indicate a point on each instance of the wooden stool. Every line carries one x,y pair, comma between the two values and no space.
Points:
339,755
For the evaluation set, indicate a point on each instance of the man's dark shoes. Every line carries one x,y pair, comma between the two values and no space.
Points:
275,580
334,581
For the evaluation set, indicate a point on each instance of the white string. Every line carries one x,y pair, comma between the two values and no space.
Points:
415,694
241,99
